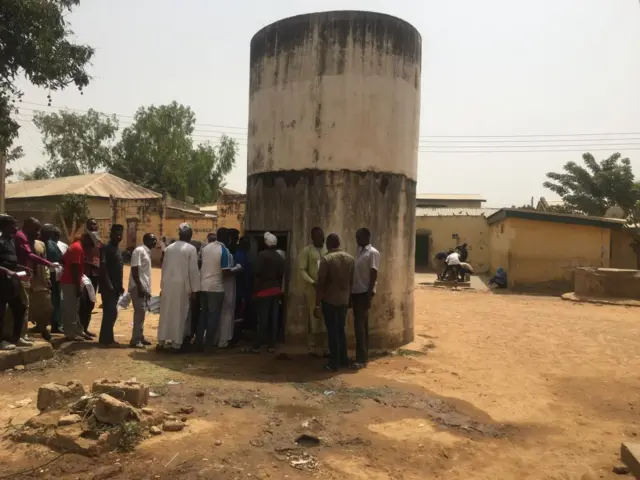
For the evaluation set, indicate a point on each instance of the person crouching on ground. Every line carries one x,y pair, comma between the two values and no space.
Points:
333,290
111,284
140,287
268,278
453,265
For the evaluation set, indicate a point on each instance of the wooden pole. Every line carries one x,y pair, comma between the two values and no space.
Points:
3,180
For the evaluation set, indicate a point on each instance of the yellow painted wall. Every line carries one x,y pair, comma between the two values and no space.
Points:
543,255
472,230
622,255
201,226
100,208
500,237
231,210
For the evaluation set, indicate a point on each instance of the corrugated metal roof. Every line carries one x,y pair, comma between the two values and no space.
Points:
450,196
454,212
211,208
101,185
228,191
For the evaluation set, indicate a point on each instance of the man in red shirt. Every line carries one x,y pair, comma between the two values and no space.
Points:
72,288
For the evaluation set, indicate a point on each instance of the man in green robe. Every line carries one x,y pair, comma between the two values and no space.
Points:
308,264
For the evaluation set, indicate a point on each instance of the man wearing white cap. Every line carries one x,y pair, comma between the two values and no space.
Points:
268,280
180,281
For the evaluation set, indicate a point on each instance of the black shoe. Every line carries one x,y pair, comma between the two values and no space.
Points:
90,334
57,330
146,342
46,335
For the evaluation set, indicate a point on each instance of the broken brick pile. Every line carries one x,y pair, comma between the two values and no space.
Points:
71,420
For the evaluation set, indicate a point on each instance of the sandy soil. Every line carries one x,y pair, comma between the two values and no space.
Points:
494,387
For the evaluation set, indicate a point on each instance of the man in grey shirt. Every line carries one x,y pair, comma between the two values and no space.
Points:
364,288
333,288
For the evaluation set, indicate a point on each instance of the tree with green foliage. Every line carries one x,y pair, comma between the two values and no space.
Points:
73,212
77,143
16,153
38,173
158,152
593,188
36,43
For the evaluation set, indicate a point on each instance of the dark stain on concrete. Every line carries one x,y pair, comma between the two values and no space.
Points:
318,119
253,128
379,34
270,154
295,201
388,33
384,183
316,156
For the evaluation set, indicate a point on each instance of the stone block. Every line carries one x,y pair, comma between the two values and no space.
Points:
24,356
10,359
111,410
69,420
40,351
56,395
173,426
630,456
134,393
70,439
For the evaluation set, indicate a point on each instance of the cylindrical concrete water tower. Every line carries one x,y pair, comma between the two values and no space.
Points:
334,116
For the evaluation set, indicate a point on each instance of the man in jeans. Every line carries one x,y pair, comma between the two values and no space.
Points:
140,287
72,288
268,281
92,271
333,290
111,284
364,288
215,266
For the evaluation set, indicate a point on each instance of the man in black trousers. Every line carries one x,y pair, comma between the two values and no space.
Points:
365,278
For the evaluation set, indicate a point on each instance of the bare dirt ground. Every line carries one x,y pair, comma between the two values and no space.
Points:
494,387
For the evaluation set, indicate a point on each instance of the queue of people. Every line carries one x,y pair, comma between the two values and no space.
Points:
204,288
45,282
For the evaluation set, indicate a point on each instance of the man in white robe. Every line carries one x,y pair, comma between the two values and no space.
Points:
180,281
228,314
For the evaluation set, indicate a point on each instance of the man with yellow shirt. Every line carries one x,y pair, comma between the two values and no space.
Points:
308,264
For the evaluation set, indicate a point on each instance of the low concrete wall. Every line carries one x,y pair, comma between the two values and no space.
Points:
607,282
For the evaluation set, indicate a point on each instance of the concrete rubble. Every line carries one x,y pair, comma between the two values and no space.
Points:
112,411
55,395
72,421
130,391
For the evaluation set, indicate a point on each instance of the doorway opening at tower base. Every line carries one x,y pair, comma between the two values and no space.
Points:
257,245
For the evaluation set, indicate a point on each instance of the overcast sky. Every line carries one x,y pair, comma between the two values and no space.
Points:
497,75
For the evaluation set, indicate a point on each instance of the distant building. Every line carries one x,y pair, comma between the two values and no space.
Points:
545,205
449,200
110,200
